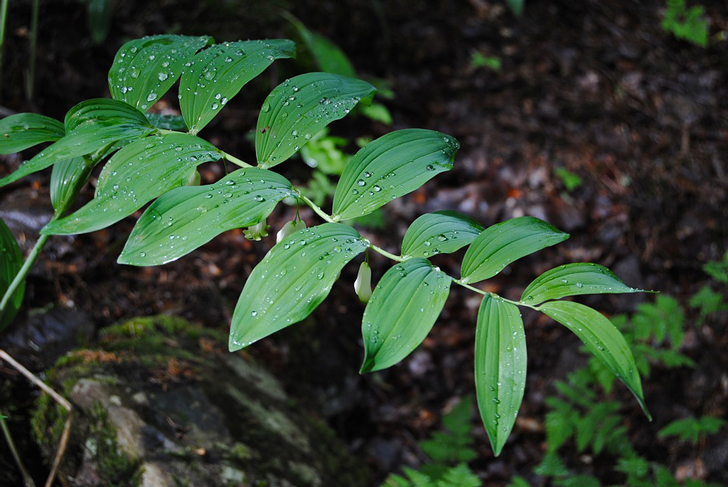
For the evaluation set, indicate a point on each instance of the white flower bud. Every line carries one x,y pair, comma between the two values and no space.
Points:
257,232
289,228
363,283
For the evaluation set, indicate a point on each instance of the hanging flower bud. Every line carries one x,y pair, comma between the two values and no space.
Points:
194,179
257,232
363,283
290,228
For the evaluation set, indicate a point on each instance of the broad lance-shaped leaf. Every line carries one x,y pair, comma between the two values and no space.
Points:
135,175
103,112
90,126
573,280
389,167
167,122
199,213
401,312
218,73
11,260
299,108
23,130
329,57
500,367
67,179
145,69
602,339
503,243
292,279
441,232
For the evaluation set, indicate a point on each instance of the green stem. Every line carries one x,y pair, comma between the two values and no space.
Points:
486,293
315,208
20,277
399,258
33,43
388,255
11,444
235,160
3,22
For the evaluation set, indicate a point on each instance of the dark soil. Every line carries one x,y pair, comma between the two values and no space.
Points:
593,87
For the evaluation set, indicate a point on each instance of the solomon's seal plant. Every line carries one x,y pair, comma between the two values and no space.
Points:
152,159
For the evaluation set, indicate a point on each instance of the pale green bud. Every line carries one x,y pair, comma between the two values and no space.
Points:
363,283
289,228
257,232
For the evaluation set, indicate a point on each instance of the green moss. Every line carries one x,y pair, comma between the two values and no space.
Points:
114,468
242,452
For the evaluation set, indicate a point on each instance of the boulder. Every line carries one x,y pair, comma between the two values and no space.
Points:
160,402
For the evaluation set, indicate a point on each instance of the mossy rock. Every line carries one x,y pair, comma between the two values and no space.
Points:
162,403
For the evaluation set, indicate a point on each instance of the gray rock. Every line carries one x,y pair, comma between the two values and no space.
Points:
163,404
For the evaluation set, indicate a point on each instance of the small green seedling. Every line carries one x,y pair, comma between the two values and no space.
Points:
688,24
152,160
480,60
692,429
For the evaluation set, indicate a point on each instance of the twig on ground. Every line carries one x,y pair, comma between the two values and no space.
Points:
63,443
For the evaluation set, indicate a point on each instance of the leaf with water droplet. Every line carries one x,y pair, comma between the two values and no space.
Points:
401,312
11,260
503,243
201,213
318,99
296,292
23,130
167,122
67,179
230,70
397,163
601,338
573,280
90,126
500,367
458,230
135,175
135,73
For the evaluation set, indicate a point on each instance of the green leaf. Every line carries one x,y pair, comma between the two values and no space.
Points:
602,339
500,367
439,232
200,213
135,175
90,126
551,466
167,122
389,167
501,244
516,6
578,481
103,112
23,130
518,482
67,179
145,69
218,73
11,260
401,312
573,280
328,56
292,280
459,476
692,428
300,107
99,16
